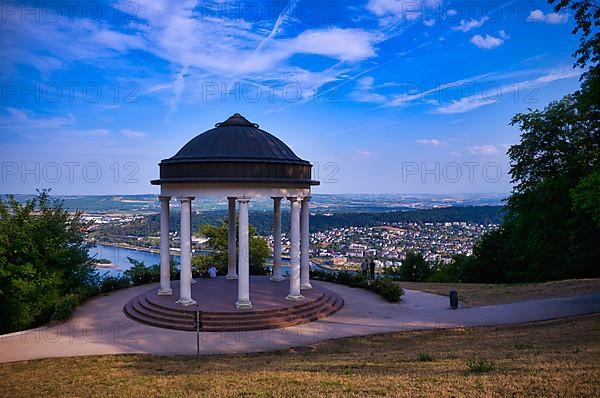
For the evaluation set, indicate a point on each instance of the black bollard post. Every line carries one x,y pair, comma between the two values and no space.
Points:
198,324
453,299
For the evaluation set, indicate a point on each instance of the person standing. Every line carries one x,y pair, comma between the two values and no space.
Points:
364,268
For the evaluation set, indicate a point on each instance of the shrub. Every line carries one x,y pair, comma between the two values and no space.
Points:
392,273
479,365
140,274
64,307
385,287
424,357
110,283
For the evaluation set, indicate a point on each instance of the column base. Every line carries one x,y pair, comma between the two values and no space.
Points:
165,292
231,277
277,278
294,298
186,302
306,286
243,304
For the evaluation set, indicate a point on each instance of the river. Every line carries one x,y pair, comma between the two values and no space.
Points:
118,256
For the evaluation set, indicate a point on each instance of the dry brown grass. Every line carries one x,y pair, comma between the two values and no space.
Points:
554,358
477,294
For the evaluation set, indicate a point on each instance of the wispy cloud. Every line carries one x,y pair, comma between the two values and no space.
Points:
469,103
283,17
466,26
133,133
431,142
19,120
487,149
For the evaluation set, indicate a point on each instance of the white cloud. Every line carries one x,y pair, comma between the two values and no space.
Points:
133,133
488,42
485,149
361,154
342,44
466,26
431,142
551,18
406,10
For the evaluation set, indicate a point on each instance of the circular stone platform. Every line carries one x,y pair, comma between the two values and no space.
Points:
216,299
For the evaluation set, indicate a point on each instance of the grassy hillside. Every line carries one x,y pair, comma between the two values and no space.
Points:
551,359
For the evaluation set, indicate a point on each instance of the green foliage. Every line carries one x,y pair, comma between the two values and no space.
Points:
64,307
586,197
392,273
43,257
414,268
479,365
552,229
217,242
110,283
139,274
385,287
424,357
587,21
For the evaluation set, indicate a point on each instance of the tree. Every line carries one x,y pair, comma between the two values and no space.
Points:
217,242
43,257
551,227
587,21
414,268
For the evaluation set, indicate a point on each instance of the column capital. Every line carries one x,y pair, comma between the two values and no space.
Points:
294,198
277,198
306,198
231,197
243,200
185,198
164,198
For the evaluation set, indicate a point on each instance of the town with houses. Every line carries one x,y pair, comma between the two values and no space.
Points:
346,248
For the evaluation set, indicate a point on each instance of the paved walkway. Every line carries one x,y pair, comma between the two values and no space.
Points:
100,327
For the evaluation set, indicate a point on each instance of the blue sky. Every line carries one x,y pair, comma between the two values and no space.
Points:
383,96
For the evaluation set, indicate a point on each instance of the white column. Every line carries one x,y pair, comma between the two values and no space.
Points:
243,257
304,245
165,258
191,236
231,242
277,240
185,281
294,294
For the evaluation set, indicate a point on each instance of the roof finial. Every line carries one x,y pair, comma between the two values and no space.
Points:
236,120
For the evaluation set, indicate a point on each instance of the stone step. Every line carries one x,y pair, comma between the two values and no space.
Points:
326,302
150,297
148,312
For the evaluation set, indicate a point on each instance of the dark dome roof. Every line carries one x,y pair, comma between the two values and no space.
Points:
236,150
236,139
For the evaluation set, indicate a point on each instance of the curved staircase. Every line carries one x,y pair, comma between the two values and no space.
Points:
150,309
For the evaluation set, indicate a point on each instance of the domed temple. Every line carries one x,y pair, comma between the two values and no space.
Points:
239,161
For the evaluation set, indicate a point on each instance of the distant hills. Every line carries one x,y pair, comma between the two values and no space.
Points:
321,203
